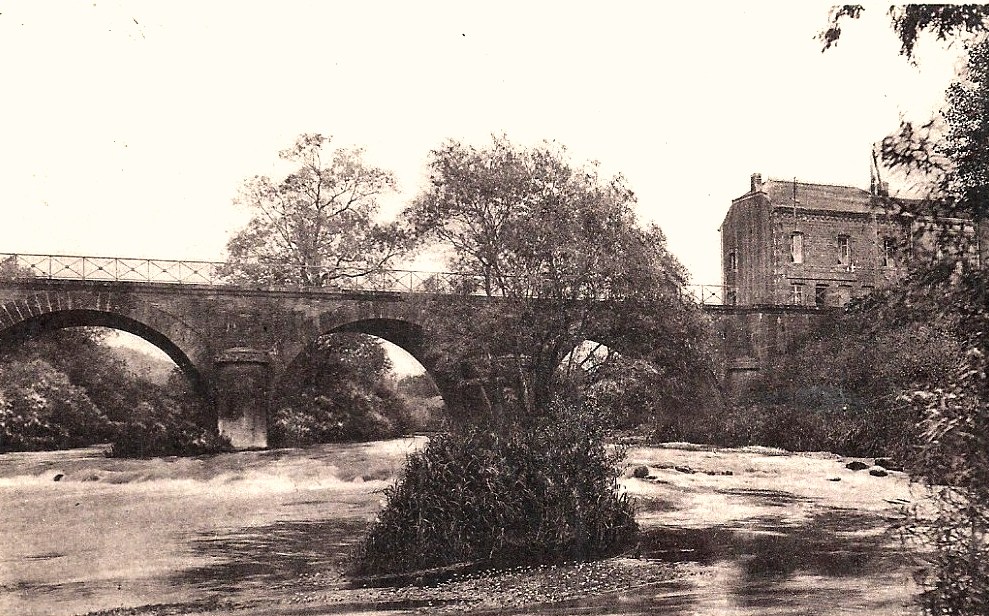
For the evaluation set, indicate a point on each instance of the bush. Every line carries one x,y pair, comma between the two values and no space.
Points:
353,413
838,388
165,428
338,391
40,409
499,495
846,430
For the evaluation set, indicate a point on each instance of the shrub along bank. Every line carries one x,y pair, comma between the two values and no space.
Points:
844,387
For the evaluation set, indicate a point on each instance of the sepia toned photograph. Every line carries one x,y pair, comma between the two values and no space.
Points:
549,308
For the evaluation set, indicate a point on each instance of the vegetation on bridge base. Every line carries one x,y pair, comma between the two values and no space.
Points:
166,428
339,390
67,388
838,388
497,495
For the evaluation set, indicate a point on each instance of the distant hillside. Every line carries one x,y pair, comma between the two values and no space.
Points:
151,368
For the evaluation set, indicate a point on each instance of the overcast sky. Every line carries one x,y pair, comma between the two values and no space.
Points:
126,127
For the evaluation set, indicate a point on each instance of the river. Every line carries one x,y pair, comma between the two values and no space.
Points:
724,532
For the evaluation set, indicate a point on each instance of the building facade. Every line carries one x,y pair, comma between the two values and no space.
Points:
786,242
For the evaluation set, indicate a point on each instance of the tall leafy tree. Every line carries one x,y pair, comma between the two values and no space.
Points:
561,258
317,227
551,256
317,224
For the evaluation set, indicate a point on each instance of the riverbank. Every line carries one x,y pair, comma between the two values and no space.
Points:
737,531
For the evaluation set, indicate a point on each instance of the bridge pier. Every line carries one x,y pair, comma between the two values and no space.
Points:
243,395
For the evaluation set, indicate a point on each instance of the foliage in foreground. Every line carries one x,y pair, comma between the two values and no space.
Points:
504,495
953,441
953,460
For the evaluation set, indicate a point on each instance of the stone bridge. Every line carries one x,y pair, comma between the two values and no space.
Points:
233,343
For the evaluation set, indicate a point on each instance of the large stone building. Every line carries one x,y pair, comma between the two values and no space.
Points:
786,242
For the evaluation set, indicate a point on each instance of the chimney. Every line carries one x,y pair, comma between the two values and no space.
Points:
756,185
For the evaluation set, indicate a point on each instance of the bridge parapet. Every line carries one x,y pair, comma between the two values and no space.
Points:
707,294
170,271
211,273
110,269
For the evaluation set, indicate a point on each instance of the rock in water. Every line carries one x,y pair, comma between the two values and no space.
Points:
889,464
640,472
878,471
856,465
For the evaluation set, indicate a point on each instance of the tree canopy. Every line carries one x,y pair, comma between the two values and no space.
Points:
558,251
317,224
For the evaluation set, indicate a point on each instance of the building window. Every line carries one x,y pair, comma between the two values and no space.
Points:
889,250
843,252
844,295
796,247
821,295
732,262
731,297
798,294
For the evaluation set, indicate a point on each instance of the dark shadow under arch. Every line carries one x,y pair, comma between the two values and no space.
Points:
409,336
51,321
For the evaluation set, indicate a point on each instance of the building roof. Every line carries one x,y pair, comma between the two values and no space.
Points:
820,196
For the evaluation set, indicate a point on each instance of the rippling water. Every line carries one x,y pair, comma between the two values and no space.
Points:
82,532
266,532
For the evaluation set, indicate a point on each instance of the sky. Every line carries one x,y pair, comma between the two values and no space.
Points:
126,128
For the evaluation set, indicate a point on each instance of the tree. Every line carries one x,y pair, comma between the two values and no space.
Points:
338,391
10,269
945,21
950,157
317,224
552,256
41,409
314,228
557,251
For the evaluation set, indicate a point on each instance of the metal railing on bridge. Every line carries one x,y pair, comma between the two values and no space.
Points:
169,271
112,269
715,294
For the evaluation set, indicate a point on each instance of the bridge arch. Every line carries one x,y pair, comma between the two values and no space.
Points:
401,331
27,324
407,335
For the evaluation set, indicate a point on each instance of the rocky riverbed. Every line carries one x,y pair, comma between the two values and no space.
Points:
730,531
